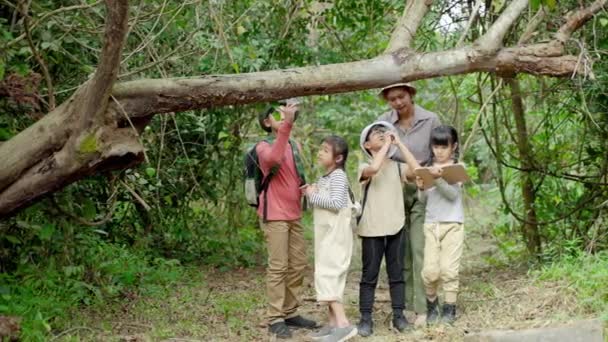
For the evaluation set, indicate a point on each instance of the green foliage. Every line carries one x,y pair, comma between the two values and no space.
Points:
44,291
185,204
535,4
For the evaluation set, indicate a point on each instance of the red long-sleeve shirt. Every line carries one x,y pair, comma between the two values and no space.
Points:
284,195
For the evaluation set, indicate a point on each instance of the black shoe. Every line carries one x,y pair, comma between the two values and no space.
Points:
365,326
432,311
448,314
279,329
400,323
300,322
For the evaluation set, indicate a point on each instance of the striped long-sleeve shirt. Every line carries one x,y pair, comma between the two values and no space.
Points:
337,198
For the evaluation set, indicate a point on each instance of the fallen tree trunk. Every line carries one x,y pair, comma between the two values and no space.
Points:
88,133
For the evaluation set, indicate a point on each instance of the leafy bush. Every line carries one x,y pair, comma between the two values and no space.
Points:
44,293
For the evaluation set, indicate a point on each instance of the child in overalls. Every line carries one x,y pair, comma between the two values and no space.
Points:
333,237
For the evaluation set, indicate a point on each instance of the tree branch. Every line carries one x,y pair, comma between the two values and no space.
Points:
406,28
49,14
474,14
531,27
146,97
85,134
24,152
493,38
100,86
575,20
39,59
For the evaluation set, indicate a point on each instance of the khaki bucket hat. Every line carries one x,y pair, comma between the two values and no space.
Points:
410,88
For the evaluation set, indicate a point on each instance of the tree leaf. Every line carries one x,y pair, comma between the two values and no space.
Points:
549,3
88,209
46,232
150,171
5,134
12,239
535,5
235,66
498,5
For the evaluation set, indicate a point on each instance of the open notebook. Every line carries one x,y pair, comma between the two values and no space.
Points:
451,173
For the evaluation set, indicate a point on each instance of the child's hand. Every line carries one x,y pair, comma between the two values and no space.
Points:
419,183
390,136
309,189
436,172
289,111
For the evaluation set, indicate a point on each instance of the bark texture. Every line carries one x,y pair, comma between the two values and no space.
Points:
529,226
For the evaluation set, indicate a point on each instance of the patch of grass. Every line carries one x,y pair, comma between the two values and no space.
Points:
482,289
587,276
212,305
45,294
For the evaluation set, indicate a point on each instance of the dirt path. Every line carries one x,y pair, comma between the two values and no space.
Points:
229,306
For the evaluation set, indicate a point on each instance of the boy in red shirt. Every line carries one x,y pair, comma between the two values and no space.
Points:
280,222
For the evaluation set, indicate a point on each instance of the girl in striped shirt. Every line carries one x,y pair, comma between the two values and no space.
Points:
333,237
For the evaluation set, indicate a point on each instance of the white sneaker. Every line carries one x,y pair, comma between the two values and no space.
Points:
318,335
341,334
420,320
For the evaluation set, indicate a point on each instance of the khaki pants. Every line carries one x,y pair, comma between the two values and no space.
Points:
286,263
442,253
415,297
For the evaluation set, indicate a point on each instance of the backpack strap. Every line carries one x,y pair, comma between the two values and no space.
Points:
264,187
399,169
364,201
298,160
299,168
266,182
351,195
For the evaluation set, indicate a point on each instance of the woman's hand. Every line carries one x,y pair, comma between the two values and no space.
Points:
419,183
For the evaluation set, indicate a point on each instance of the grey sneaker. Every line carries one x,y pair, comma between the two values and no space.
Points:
318,335
341,334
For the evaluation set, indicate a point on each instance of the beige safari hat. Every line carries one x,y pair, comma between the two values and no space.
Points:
410,88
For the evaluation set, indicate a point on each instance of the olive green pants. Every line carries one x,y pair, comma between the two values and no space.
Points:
415,296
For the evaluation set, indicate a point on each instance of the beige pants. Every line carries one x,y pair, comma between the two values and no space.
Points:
442,252
286,263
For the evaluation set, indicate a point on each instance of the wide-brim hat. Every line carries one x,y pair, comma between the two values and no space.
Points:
365,132
410,88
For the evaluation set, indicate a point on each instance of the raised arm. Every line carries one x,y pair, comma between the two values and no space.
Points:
274,153
377,161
